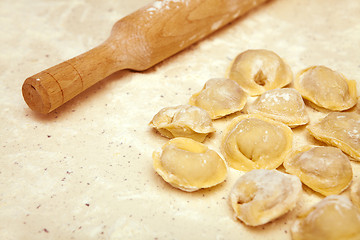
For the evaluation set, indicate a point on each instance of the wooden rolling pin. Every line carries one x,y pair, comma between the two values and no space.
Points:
137,41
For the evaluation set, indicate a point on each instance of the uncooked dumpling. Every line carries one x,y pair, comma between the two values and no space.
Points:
183,121
326,88
259,70
339,129
355,193
254,142
189,165
326,170
220,97
260,196
333,218
285,105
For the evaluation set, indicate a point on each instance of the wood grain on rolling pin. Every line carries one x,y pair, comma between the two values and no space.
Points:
137,41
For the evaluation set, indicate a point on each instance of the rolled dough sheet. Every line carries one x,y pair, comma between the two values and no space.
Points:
85,170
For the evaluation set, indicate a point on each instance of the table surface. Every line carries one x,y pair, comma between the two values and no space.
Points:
85,170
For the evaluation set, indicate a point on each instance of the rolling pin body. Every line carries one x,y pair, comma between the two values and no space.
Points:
137,41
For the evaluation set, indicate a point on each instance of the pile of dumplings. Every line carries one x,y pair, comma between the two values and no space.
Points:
260,139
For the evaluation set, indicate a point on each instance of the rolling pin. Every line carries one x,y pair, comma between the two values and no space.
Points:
138,42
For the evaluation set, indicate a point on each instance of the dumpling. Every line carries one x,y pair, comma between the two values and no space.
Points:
260,196
189,165
339,129
333,218
259,70
355,193
285,105
326,88
254,142
183,121
220,97
326,170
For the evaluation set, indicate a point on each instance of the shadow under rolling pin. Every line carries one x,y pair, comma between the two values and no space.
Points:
137,41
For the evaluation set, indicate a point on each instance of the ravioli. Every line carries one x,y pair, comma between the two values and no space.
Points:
326,170
355,193
260,196
333,218
256,142
339,129
326,88
259,70
183,121
189,165
220,97
285,105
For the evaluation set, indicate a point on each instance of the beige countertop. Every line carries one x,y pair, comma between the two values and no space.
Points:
85,170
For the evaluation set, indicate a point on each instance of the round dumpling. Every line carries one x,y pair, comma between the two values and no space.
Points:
333,218
260,196
285,105
220,97
355,193
183,121
326,170
326,88
339,129
254,142
259,70
189,165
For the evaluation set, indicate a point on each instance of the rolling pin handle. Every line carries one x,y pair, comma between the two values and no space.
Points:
52,87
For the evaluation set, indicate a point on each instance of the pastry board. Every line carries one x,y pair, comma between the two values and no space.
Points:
85,170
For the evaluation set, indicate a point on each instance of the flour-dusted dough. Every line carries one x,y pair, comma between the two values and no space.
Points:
220,97
189,165
355,193
326,170
260,196
259,70
340,129
326,88
183,121
253,142
333,218
285,105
